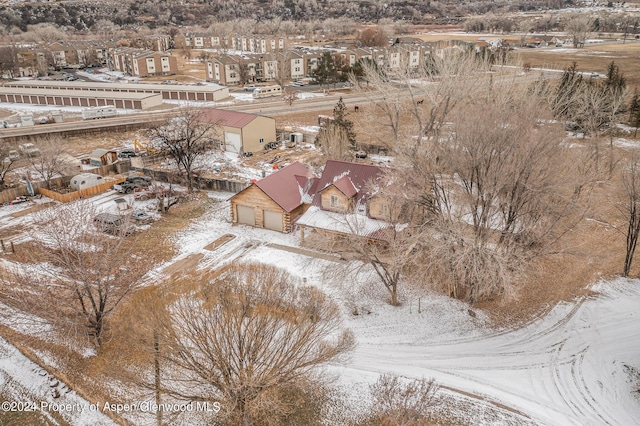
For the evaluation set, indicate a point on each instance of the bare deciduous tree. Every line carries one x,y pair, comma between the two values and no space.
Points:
401,402
185,138
485,170
244,333
373,37
578,28
334,143
631,211
51,160
44,33
7,163
83,276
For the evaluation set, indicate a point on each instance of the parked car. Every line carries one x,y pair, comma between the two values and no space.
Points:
113,224
127,153
133,182
249,88
361,154
140,217
142,194
299,83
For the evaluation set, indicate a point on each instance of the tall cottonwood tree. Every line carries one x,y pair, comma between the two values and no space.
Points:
7,163
578,28
491,182
244,333
51,160
82,275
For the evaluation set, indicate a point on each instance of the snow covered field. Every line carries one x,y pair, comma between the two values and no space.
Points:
570,367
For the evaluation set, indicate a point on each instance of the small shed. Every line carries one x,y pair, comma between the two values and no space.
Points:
103,157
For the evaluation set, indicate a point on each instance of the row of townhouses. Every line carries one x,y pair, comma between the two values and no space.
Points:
272,62
33,60
296,64
253,44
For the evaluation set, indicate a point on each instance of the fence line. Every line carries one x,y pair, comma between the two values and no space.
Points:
82,193
9,194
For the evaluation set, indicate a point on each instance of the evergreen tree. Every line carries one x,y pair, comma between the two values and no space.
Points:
326,73
341,120
616,82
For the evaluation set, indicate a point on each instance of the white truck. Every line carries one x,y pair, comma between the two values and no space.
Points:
99,112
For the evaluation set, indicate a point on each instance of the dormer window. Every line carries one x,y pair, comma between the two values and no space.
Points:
334,201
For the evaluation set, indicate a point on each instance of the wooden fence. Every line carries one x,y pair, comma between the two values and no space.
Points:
211,184
9,194
83,193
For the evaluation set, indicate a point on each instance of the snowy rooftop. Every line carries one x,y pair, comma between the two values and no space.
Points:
355,224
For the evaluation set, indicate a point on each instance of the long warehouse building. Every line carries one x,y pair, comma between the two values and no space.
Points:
206,93
79,98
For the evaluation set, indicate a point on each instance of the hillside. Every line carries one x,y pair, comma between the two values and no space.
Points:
85,15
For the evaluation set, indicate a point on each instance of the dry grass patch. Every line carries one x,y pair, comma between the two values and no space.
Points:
593,250
593,58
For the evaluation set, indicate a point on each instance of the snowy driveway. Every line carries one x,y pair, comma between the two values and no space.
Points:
567,368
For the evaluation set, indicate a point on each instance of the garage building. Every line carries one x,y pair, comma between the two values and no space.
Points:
242,132
275,201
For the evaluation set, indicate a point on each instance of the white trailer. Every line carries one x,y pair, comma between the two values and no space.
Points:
267,91
27,120
99,112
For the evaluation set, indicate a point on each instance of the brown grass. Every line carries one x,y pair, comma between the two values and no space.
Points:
592,58
592,251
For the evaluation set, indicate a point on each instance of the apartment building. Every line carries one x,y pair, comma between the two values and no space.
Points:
142,62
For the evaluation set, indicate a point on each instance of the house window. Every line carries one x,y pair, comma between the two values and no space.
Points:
334,201
385,211
261,140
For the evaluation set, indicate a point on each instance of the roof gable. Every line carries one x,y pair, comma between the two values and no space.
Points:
284,187
346,177
345,186
99,152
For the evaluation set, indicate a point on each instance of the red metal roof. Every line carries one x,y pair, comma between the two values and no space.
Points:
227,118
359,175
284,187
345,186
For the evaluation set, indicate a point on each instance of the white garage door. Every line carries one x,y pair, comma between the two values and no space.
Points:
246,215
273,220
232,142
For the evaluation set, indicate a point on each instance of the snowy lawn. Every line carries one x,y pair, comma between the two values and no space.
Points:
570,367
